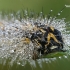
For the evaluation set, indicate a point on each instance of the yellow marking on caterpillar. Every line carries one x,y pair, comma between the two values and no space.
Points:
42,30
50,35
52,28
37,42
26,40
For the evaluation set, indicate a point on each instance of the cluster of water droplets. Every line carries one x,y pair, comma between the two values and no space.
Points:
13,30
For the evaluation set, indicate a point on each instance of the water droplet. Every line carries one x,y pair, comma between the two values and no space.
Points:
65,56
59,57
11,51
18,63
58,13
51,10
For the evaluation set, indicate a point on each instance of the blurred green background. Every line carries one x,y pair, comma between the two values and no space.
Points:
38,6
